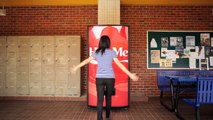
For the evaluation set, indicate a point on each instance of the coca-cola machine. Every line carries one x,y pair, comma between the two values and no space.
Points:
119,42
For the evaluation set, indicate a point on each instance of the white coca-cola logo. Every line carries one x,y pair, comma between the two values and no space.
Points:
120,51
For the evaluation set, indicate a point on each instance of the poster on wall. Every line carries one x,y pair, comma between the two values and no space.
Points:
119,43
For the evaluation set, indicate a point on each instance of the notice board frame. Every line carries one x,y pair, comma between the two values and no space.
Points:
182,63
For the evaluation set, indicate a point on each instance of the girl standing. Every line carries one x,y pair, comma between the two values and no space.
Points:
105,77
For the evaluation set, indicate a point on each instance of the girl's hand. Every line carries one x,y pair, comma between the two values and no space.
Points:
134,77
73,69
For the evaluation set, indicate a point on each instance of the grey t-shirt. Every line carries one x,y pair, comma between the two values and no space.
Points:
105,69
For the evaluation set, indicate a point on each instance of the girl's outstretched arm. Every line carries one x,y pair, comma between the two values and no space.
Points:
76,67
133,76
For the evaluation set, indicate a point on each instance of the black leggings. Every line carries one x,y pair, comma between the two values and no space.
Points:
101,85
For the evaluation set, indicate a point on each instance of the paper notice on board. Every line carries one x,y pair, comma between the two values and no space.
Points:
192,63
171,55
190,41
200,52
163,52
212,42
153,43
211,61
205,39
193,55
173,41
204,64
155,56
166,63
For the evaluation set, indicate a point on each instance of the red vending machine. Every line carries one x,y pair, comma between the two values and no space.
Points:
119,42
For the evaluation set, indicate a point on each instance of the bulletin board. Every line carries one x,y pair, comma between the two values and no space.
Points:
180,50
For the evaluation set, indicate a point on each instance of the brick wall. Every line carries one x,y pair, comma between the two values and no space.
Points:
143,18
73,20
